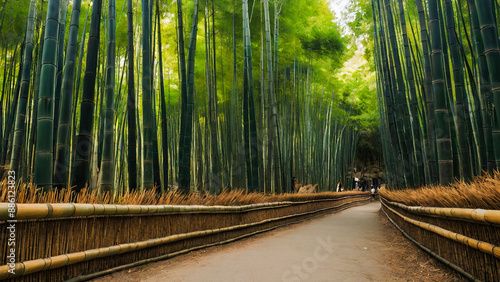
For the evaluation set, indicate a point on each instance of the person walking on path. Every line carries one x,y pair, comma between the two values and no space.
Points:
373,192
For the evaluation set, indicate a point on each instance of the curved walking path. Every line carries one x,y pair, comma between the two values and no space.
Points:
353,245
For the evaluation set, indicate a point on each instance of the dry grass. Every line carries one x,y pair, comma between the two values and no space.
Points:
227,198
483,193
308,189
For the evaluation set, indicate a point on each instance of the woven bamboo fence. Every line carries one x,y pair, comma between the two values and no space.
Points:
468,240
56,242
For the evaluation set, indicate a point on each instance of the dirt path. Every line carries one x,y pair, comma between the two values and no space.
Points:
354,245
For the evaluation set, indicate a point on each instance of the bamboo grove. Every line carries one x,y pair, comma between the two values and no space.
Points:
123,95
438,84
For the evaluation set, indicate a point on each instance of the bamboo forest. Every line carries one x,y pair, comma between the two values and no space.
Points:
92,98
133,132
166,94
105,100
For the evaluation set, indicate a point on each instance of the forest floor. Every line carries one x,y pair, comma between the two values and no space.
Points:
358,244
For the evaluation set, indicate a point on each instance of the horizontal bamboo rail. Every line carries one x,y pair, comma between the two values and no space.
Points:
29,267
171,255
478,215
451,235
471,242
39,213
429,251
44,211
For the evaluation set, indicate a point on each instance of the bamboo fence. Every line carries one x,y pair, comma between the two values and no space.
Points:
75,241
468,240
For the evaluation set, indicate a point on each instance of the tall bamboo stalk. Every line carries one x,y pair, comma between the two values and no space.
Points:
485,85
183,83
108,164
45,119
216,178
185,144
18,143
461,99
443,140
273,132
252,159
84,139
164,125
489,32
61,165
131,105
148,180
60,65
430,144
400,105
14,86
414,120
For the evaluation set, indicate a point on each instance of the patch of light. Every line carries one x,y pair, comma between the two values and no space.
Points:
341,14
168,18
357,61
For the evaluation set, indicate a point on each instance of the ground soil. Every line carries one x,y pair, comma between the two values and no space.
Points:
358,244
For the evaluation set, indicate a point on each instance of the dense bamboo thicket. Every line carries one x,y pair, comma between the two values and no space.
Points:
437,81
199,96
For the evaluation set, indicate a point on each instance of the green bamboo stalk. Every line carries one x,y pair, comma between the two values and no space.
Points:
489,32
131,156
77,96
156,161
36,91
443,140
183,82
476,140
107,164
164,125
461,100
414,117
485,85
214,128
3,14
140,147
60,65
45,119
270,91
253,180
274,131
13,99
264,113
84,139
238,164
3,147
208,109
246,125
430,143
61,165
400,174
184,169
148,179
18,143
30,119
